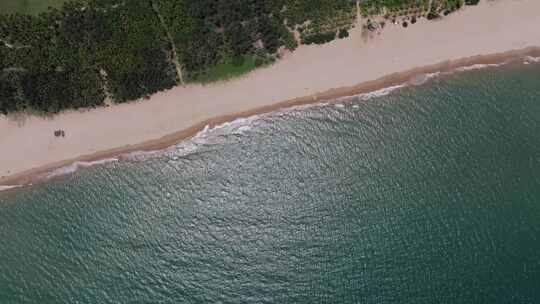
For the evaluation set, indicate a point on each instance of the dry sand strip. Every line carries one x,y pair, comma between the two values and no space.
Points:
488,33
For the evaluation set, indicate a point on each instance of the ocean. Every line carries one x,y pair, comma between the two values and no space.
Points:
416,194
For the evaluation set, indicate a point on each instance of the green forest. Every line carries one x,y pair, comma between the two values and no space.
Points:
28,6
89,53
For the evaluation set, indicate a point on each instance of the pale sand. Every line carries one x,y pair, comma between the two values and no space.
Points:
486,33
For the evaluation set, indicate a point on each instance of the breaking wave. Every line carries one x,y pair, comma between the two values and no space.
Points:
4,188
77,165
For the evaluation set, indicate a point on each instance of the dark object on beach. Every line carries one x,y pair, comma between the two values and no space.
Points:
405,24
59,133
413,20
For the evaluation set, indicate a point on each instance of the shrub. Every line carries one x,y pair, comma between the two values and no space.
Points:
432,15
343,33
319,38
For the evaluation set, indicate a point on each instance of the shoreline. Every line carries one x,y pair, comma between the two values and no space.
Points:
32,176
314,73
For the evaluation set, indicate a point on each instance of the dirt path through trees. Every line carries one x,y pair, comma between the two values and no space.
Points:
175,60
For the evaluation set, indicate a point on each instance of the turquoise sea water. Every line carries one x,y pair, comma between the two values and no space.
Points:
430,194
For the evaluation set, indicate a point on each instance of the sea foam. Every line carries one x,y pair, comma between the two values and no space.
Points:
381,92
422,78
77,165
531,59
479,66
237,126
4,188
208,135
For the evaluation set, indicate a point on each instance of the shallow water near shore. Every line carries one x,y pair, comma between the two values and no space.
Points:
429,194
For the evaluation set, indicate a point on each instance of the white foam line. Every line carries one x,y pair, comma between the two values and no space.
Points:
479,66
432,75
77,165
531,59
380,93
236,126
425,78
204,136
302,107
4,188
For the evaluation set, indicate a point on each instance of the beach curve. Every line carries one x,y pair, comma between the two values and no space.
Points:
342,68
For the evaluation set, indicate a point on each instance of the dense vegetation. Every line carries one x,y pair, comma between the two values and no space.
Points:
430,9
92,52
28,6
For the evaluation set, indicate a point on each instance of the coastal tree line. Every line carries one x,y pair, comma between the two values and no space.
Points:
91,53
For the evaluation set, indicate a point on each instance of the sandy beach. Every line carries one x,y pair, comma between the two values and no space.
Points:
491,32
